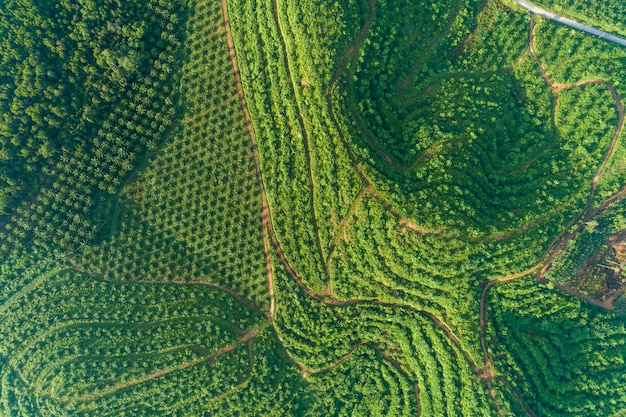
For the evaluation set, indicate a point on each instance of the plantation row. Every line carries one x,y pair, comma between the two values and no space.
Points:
86,347
546,173
81,346
378,259
78,345
581,374
193,214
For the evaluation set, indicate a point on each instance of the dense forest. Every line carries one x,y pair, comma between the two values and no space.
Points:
311,208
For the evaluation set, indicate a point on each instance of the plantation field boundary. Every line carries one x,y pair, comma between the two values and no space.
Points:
557,87
405,223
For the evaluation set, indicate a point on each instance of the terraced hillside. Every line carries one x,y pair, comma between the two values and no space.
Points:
270,207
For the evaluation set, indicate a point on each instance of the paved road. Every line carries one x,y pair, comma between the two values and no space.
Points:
571,23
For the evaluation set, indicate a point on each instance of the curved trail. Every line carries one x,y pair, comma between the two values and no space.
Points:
354,46
486,372
306,371
561,240
608,303
401,222
246,337
424,54
329,300
372,345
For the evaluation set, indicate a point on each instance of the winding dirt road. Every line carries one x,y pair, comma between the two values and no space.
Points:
486,372
561,240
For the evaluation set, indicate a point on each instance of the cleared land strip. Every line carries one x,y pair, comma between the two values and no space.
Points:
571,23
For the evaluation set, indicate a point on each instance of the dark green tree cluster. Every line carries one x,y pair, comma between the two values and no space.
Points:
565,357
64,67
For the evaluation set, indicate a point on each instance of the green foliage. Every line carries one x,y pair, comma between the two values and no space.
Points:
610,16
409,152
192,213
565,357
461,113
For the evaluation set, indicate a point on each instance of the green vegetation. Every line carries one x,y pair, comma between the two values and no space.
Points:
565,357
58,171
271,207
609,16
192,213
